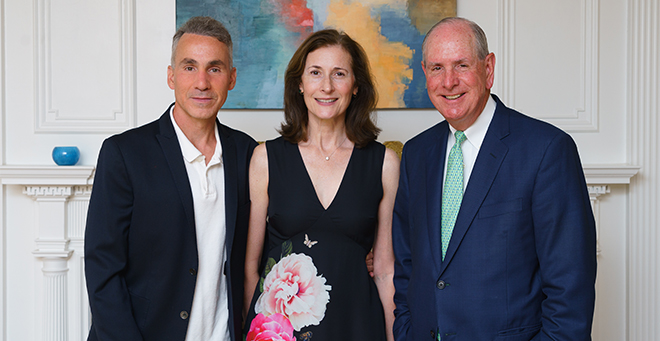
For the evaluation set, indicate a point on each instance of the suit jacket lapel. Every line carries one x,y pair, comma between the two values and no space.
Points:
229,163
490,158
172,151
435,165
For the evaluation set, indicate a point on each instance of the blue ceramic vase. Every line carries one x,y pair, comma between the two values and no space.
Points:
66,156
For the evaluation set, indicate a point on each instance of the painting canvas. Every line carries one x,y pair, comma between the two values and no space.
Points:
266,33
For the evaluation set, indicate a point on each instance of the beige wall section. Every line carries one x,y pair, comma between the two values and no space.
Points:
574,63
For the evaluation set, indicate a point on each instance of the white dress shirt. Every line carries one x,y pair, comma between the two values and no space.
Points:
475,137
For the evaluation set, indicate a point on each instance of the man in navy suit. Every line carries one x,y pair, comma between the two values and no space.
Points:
167,221
520,253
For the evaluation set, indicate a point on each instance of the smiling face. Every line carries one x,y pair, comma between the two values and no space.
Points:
201,76
327,82
458,82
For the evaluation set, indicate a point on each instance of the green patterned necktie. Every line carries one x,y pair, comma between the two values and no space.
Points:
452,192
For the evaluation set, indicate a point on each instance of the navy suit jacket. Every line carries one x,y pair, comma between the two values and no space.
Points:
521,262
140,243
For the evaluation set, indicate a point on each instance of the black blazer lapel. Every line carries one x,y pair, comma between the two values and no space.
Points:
230,165
172,151
490,158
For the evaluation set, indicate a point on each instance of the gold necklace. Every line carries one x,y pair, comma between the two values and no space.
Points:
327,158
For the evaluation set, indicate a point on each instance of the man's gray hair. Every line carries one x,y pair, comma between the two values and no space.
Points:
479,37
203,26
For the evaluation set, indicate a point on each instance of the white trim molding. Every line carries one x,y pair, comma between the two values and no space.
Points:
643,256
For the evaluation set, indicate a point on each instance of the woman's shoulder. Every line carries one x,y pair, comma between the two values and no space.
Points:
388,156
374,146
279,141
371,155
279,144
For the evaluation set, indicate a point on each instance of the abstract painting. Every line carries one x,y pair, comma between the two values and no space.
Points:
266,33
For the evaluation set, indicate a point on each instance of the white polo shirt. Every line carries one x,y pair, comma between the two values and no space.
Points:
209,316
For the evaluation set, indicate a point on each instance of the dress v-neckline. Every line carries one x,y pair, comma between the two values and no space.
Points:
311,183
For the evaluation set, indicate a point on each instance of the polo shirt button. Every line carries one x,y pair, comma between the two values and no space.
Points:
440,284
184,315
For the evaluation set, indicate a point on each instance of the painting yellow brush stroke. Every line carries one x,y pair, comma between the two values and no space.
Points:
389,60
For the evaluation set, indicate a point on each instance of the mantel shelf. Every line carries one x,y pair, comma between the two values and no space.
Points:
605,174
609,174
46,175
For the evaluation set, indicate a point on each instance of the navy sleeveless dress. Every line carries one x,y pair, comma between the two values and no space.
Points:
314,271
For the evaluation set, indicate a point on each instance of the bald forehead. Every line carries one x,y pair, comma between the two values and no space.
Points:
451,32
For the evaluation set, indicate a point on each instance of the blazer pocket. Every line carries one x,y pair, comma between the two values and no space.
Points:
501,208
524,333
140,308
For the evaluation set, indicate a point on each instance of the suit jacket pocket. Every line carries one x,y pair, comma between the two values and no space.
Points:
140,307
500,208
525,333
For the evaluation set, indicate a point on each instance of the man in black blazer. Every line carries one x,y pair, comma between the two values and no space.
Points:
167,221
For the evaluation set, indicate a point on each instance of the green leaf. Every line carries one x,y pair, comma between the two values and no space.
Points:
269,266
270,263
287,248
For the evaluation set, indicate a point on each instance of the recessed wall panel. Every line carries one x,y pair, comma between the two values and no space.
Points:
85,72
551,66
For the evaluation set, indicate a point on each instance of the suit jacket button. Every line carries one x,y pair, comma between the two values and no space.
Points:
432,334
193,271
184,315
440,284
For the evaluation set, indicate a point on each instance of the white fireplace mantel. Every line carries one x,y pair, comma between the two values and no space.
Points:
61,194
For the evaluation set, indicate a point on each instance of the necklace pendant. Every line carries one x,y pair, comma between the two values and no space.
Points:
327,158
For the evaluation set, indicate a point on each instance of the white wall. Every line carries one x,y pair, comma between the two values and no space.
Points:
75,71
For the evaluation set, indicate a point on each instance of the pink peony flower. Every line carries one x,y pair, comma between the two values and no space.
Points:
275,327
292,288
